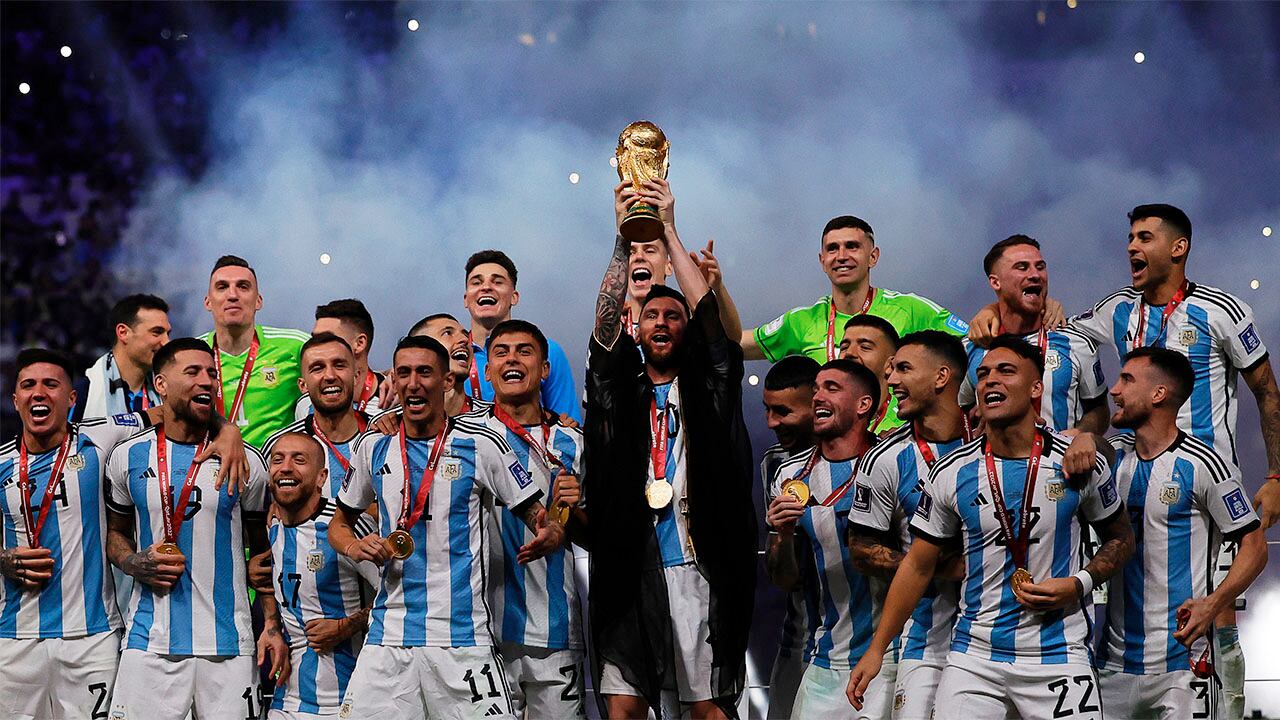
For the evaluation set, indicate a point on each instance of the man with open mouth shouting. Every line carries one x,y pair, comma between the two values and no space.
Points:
446,330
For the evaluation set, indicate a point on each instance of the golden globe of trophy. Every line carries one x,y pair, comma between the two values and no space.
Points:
642,155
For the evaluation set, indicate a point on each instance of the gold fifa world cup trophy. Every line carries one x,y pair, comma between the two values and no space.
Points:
642,155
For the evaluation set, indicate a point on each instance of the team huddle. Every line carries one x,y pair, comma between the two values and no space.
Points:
257,523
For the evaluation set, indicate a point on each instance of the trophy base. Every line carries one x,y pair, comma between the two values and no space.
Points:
641,224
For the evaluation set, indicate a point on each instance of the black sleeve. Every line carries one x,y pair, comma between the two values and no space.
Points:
611,372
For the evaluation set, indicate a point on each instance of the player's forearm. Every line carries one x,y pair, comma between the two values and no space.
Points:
530,514
341,535
1249,563
1096,419
270,610
1262,381
692,283
750,348
1115,551
120,545
871,557
780,561
728,312
613,291
908,586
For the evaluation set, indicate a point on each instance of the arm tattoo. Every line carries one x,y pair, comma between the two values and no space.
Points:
613,292
1268,397
530,515
1116,548
7,565
780,562
138,565
873,558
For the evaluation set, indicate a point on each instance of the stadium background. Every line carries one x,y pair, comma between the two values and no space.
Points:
366,149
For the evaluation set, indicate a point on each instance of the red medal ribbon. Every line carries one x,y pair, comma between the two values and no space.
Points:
34,524
543,449
1017,545
473,377
627,326
244,378
1178,297
411,512
925,451
658,441
342,460
884,408
171,515
837,493
367,394
831,321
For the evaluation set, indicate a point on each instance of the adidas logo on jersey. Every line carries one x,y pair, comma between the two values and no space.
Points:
980,501
148,474
493,711
385,470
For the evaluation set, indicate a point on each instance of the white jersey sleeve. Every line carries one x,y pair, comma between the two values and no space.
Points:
357,488
875,493
253,498
1240,336
937,515
1100,497
500,472
116,429
364,526
118,497
1223,494
1093,384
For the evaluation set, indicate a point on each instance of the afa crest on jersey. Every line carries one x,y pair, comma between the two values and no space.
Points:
1052,360
270,376
451,468
1055,490
315,560
1188,337
1170,492
76,462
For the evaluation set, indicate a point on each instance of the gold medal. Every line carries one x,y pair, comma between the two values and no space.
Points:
1019,578
168,548
797,489
559,513
659,494
401,544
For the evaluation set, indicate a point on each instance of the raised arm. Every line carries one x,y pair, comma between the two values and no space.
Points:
692,283
613,292
1262,381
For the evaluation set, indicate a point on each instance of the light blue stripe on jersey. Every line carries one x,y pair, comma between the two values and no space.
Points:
227,550
386,524
461,624
1013,475
1061,400
92,542
966,496
515,606
909,480
12,590
336,476
51,537
179,597
309,665
144,615
1201,400
1053,631
669,545
1135,576
860,612
1180,580
413,584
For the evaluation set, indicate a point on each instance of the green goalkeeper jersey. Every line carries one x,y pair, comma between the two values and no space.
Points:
273,389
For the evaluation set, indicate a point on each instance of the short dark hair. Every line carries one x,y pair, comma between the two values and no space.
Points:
842,222
348,310
1022,348
232,261
944,346
169,350
31,356
496,257
792,371
421,325
125,311
868,381
422,342
1171,215
876,323
997,251
661,291
323,338
507,327
1173,365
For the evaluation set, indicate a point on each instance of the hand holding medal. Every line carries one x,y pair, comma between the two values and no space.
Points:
566,493
400,543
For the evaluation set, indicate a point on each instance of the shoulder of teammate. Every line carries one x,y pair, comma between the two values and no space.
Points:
1081,344
948,466
783,335
282,336
1122,443
1203,454
298,426
476,425
1232,321
925,314
117,470
790,468
1235,309
885,450
106,433
1057,446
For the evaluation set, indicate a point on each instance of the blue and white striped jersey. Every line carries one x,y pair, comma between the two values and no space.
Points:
956,503
80,597
436,596
332,463
1214,329
890,481
847,611
534,604
675,546
207,612
1072,376
314,582
800,620
1181,503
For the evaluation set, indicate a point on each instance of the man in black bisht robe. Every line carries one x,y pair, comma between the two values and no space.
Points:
672,568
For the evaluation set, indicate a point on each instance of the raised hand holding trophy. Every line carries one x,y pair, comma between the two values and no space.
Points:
642,155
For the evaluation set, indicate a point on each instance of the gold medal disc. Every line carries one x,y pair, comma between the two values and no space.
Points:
559,513
659,494
401,544
797,489
168,549
1019,578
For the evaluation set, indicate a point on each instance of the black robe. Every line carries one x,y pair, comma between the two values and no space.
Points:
628,612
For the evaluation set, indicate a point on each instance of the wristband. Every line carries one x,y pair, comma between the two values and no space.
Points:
1086,581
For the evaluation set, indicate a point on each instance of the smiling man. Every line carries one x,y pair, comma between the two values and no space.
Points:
350,320
121,380
446,330
870,341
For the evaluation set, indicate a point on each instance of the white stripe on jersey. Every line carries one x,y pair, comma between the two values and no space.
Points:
436,596
534,604
1181,503
331,463
957,504
1072,376
890,481
207,612
80,597
848,612
1213,328
313,582
800,621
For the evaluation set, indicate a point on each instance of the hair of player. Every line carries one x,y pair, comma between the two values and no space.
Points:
1022,348
997,251
314,444
422,324
126,309
866,380
323,338
1173,365
167,352
944,346
232,261
497,257
31,356
661,291
875,322
423,342
348,310
514,325
1170,215
792,371
842,222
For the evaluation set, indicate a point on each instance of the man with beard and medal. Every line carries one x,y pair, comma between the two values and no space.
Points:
323,596
189,646
809,501
672,531
925,373
429,651
1020,642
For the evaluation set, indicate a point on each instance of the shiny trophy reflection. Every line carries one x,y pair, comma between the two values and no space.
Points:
642,155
